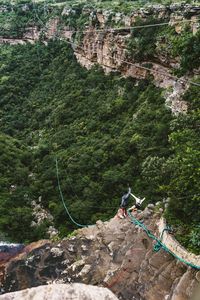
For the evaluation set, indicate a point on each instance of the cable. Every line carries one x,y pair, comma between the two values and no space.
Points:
124,61
159,72
62,199
111,29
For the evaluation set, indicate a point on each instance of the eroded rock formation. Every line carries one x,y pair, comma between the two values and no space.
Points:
114,254
109,48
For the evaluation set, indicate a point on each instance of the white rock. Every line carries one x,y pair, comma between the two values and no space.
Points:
65,262
70,248
62,292
56,252
77,264
86,269
151,206
84,248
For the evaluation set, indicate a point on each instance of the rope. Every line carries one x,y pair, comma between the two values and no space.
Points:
62,199
156,247
111,29
159,245
124,61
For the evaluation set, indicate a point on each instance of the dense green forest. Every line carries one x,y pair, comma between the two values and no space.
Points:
106,132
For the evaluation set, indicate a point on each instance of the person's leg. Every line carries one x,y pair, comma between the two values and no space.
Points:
125,212
121,213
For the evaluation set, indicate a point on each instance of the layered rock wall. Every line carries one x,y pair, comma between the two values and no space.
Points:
100,45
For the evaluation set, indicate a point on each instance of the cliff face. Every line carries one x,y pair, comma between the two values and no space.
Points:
109,48
114,254
96,44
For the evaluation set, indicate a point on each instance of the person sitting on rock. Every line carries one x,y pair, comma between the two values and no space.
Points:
124,203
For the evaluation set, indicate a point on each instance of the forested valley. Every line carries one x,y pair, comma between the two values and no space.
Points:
106,132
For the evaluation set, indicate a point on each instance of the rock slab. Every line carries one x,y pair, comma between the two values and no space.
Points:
75,291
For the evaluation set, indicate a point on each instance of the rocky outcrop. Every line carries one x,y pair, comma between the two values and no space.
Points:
13,252
9,250
173,98
74,291
40,216
115,254
175,246
108,48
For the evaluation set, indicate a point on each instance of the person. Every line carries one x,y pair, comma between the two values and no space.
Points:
124,202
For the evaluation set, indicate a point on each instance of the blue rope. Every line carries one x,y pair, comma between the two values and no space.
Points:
159,245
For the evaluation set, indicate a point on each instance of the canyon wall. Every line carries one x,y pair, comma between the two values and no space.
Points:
98,44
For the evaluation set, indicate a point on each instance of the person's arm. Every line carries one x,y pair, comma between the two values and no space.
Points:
138,200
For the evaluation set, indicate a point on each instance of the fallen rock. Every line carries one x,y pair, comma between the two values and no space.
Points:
74,291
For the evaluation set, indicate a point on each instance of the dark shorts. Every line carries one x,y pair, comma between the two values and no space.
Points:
124,205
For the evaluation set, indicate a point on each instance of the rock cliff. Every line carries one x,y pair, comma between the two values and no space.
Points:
114,254
97,44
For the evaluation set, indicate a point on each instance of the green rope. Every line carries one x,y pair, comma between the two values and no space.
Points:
63,202
62,199
159,245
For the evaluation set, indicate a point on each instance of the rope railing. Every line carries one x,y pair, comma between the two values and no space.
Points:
159,244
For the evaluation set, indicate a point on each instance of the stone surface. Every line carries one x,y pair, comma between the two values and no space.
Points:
115,254
41,215
151,206
173,245
74,291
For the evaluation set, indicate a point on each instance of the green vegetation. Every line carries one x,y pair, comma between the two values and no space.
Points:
106,131
15,20
142,45
14,187
184,172
101,144
120,137
151,42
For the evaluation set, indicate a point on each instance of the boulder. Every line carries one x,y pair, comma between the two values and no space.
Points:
74,291
151,206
